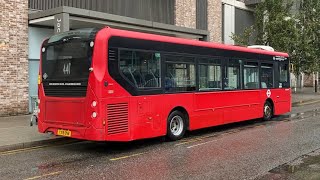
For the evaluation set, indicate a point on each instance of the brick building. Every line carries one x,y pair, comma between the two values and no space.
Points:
25,24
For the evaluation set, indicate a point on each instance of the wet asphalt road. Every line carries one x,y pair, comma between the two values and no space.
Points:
246,150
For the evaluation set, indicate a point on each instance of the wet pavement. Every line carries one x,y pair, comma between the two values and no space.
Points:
247,150
306,167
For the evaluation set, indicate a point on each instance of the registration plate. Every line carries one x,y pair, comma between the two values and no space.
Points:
63,132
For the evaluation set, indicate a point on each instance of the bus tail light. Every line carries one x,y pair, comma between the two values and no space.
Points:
94,115
94,103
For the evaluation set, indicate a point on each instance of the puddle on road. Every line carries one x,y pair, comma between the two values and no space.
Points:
304,167
304,115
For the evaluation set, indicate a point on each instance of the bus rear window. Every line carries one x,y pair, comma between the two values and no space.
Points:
67,61
67,56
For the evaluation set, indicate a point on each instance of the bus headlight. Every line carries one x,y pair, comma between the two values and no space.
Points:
94,103
94,115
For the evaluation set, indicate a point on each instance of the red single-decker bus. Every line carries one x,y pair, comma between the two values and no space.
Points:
116,85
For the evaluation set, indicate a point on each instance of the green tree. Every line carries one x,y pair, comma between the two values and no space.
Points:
244,38
297,33
307,52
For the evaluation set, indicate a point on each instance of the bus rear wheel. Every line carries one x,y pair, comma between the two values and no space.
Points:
176,125
267,111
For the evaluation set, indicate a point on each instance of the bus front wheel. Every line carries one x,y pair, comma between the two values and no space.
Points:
176,126
267,111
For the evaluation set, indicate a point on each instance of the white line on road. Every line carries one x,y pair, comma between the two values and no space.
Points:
44,175
202,143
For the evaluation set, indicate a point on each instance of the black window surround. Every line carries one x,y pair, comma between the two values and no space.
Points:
197,53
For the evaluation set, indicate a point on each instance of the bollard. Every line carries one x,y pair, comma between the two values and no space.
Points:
315,86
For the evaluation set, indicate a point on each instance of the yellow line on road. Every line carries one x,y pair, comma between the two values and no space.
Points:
307,103
22,150
124,157
208,136
44,175
188,141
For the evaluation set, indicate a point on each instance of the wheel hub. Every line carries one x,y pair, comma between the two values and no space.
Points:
176,125
267,111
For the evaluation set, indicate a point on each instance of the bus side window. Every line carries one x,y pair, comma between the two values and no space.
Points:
180,74
210,78
141,68
267,75
232,75
251,75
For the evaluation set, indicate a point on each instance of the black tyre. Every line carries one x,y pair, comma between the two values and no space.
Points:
267,111
176,125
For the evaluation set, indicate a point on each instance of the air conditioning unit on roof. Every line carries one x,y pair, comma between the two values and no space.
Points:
268,48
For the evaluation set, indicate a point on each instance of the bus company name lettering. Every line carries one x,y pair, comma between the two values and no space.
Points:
64,84
279,58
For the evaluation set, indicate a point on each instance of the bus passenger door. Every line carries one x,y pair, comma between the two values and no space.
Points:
207,100
231,103
238,104
282,91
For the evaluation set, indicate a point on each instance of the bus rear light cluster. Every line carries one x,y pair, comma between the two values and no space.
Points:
94,103
94,106
94,115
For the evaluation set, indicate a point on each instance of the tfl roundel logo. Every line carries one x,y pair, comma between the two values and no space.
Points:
268,93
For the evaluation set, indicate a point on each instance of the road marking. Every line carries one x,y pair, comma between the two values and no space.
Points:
202,143
23,150
189,141
44,175
306,103
29,149
124,157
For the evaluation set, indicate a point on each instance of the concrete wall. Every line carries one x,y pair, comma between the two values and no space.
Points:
215,20
185,13
13,57
185,16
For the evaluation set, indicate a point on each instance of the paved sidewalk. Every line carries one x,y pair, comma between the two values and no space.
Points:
16,133
305,95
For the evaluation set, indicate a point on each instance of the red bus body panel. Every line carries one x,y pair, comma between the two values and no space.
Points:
122,117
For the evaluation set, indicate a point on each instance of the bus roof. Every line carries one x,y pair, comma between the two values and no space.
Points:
168,39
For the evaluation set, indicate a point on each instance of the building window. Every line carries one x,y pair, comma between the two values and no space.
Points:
209,74
251,75
141,68
232,79
180,74
266,75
